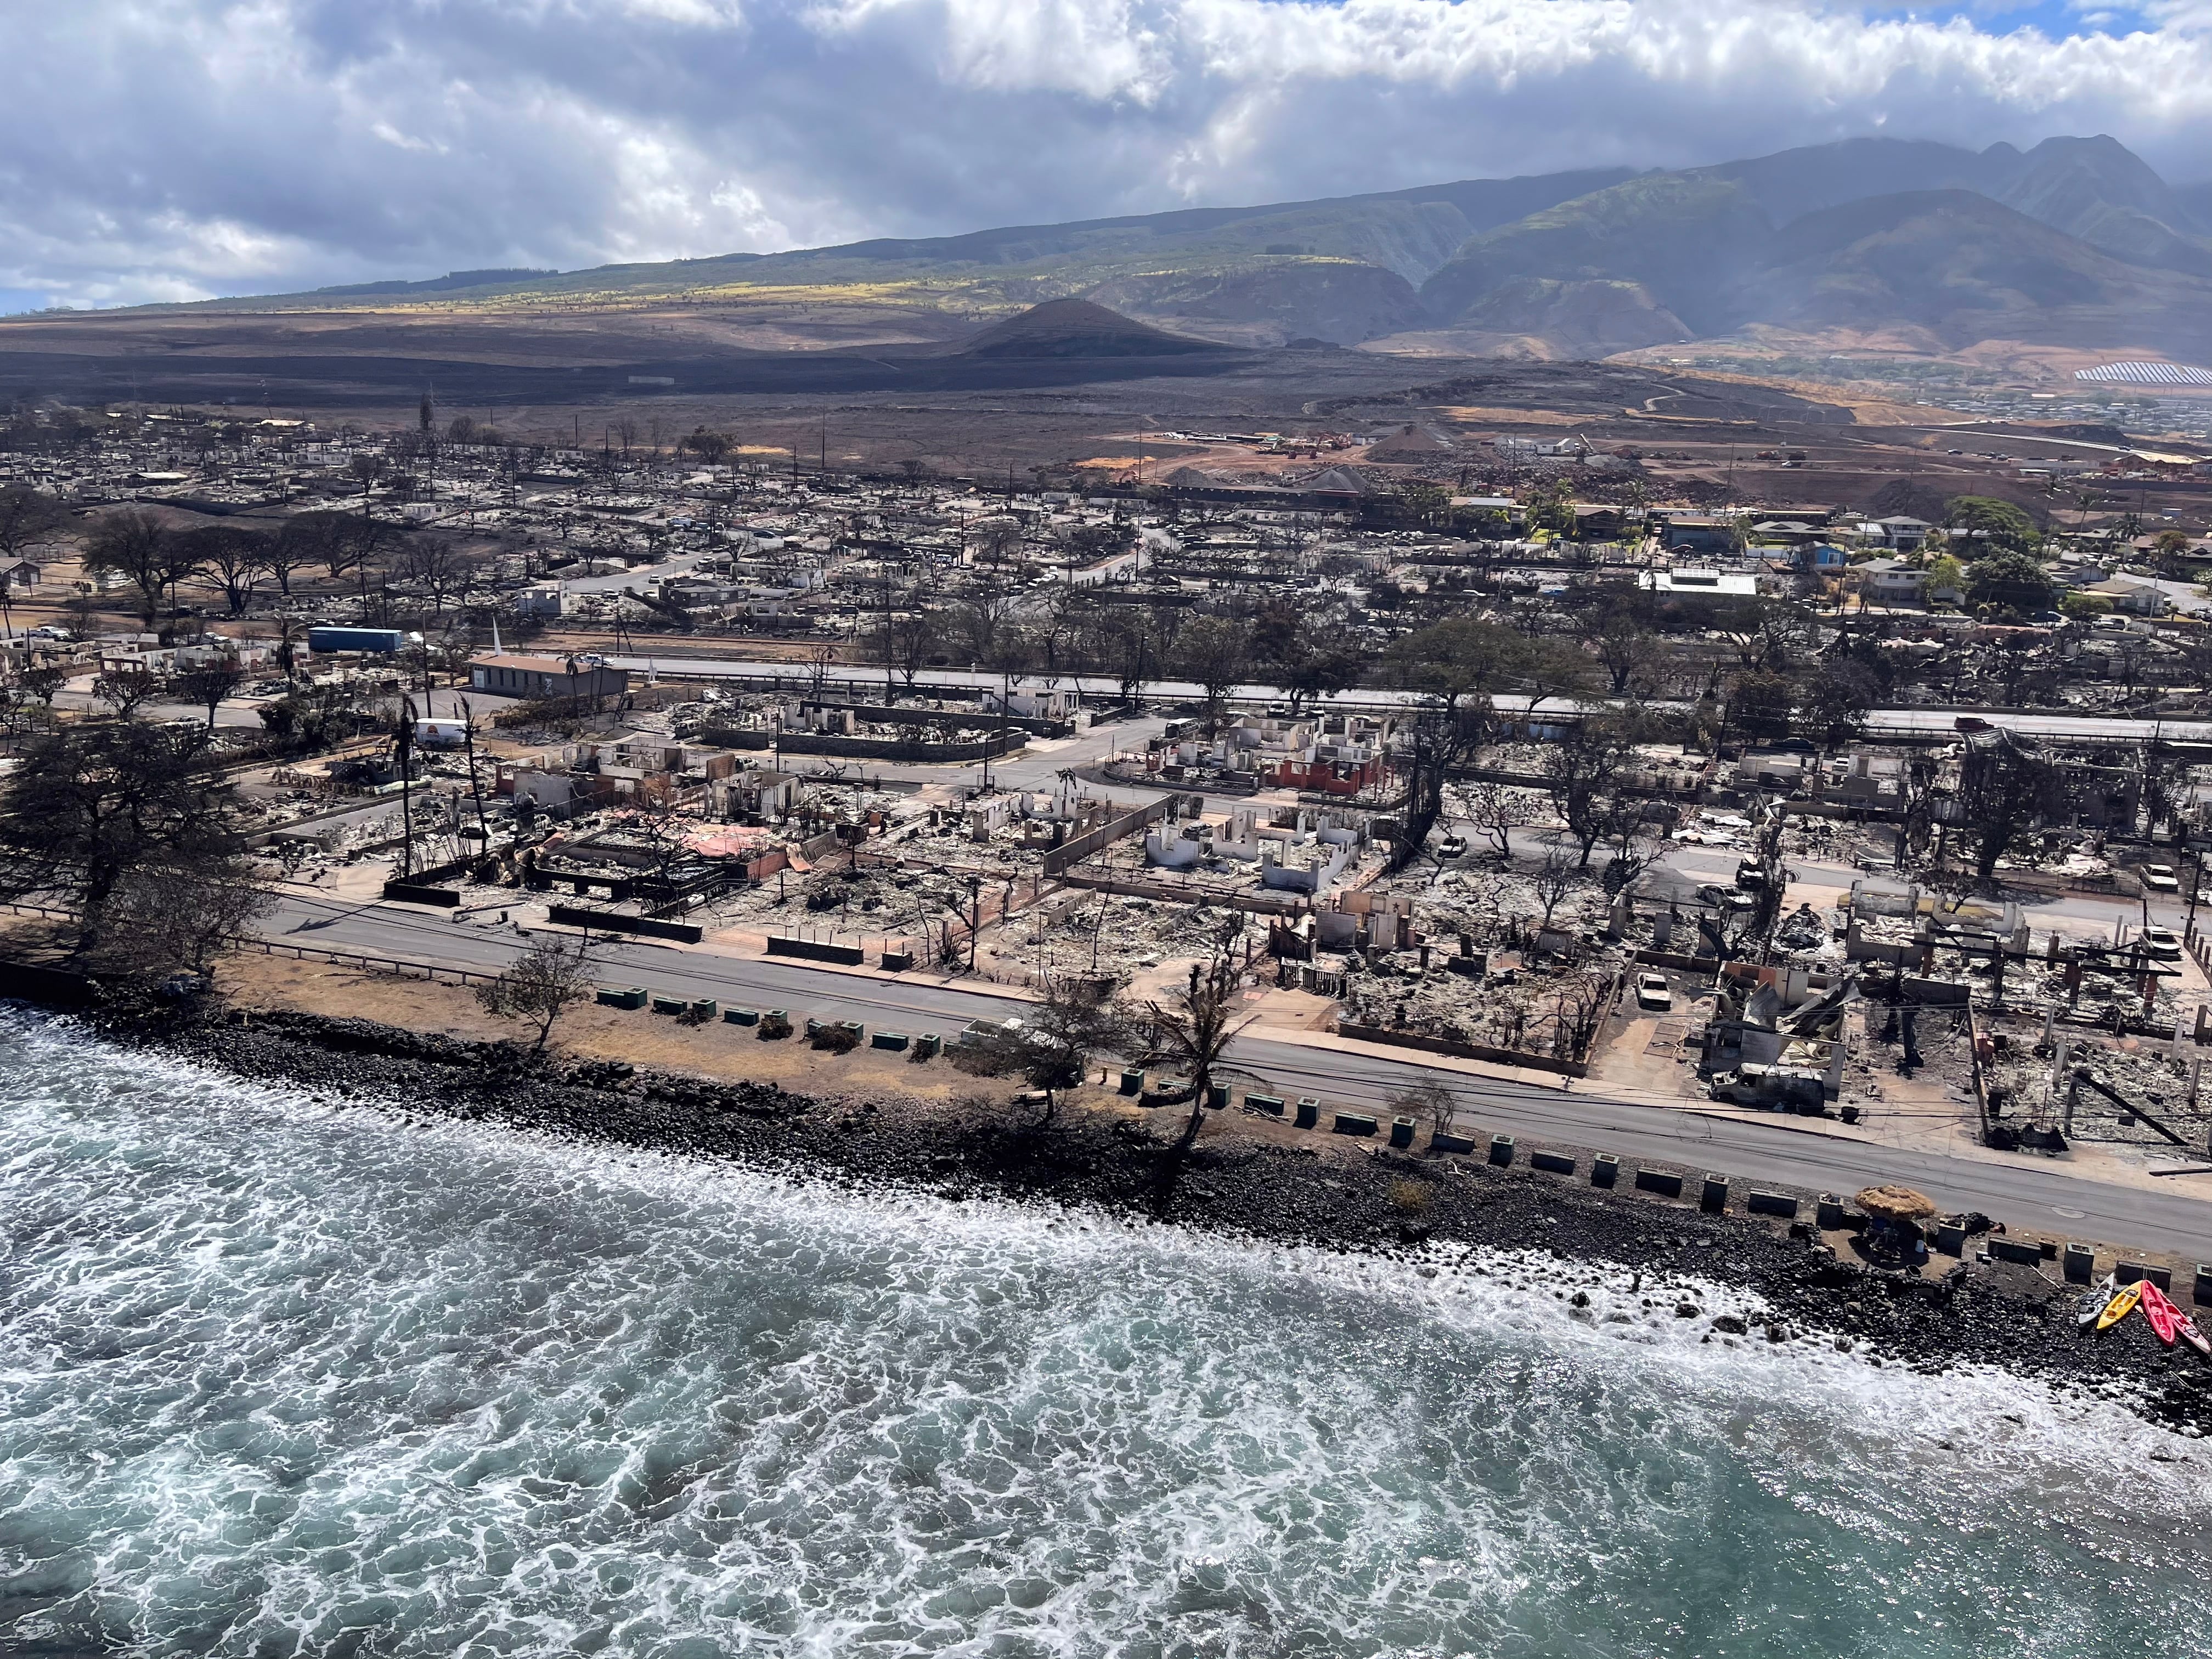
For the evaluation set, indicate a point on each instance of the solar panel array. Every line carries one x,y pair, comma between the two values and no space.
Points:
2147,374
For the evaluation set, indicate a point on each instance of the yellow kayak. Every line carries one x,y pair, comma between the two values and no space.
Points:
2119,1307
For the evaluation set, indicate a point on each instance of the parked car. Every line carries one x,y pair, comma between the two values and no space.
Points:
1454,846
1652,991
2158,878
2160,942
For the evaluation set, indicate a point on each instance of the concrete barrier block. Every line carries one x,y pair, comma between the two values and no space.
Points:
1712,1196
2201,1291
816,1027
1308,1116
1552,1163
1402,1132
1781,1204
1441,1142
1605,1169
741,1016
1501,1151
1950,1238
669,1005
895,1040
898,962
1659,1181
929,1045
1829,1213
2018,1251
632,997
2081,1264
1217,1097
705,1008
1355,1123
1133,1083
2129,1271
1266,1105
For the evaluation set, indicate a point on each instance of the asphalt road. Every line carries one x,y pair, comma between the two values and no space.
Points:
2025,1192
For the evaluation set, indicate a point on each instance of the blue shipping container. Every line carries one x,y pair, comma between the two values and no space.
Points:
355,639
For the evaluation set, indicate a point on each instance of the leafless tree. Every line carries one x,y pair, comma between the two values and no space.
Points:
1192,1030
1497,810
1431,1101
1580,1006
1052,1047
369,469
1559,875
124,690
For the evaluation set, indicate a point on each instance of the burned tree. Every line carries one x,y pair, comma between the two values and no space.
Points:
1191,1029
2007,788
1457,666
121,822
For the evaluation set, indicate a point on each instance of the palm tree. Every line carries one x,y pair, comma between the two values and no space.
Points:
1192,1030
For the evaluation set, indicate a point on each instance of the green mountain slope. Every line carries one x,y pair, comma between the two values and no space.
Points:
1664,232
1965,269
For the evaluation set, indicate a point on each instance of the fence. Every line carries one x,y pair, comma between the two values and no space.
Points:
1075,848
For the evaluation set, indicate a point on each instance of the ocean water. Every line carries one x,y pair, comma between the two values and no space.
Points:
278,1377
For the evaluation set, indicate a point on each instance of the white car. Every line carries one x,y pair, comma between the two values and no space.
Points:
2160,878
1652,991
2162,943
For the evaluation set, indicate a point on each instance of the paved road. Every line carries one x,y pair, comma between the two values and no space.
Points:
1926,723
2028,1192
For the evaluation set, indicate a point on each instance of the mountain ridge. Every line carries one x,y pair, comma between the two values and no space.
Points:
2074,242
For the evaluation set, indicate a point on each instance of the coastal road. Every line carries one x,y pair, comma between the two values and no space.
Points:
2025,1191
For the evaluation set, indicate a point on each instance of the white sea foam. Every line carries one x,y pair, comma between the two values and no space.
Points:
279,1375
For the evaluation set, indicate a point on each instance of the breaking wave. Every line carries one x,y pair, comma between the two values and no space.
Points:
279,1375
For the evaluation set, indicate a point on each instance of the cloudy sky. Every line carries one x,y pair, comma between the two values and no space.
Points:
182,149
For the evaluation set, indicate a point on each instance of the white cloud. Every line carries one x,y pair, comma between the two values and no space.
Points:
156,148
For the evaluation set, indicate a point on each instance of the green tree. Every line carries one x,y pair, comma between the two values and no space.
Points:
551,977
1553,507
2011,582
2084,607
2000,522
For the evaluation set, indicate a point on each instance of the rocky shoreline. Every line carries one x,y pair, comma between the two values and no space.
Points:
1384,1203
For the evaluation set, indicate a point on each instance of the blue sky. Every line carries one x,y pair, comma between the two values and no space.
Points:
169,149
2055,19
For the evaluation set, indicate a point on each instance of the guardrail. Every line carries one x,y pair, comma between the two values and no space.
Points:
428,971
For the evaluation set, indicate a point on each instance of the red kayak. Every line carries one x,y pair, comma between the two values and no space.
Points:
2165,1318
